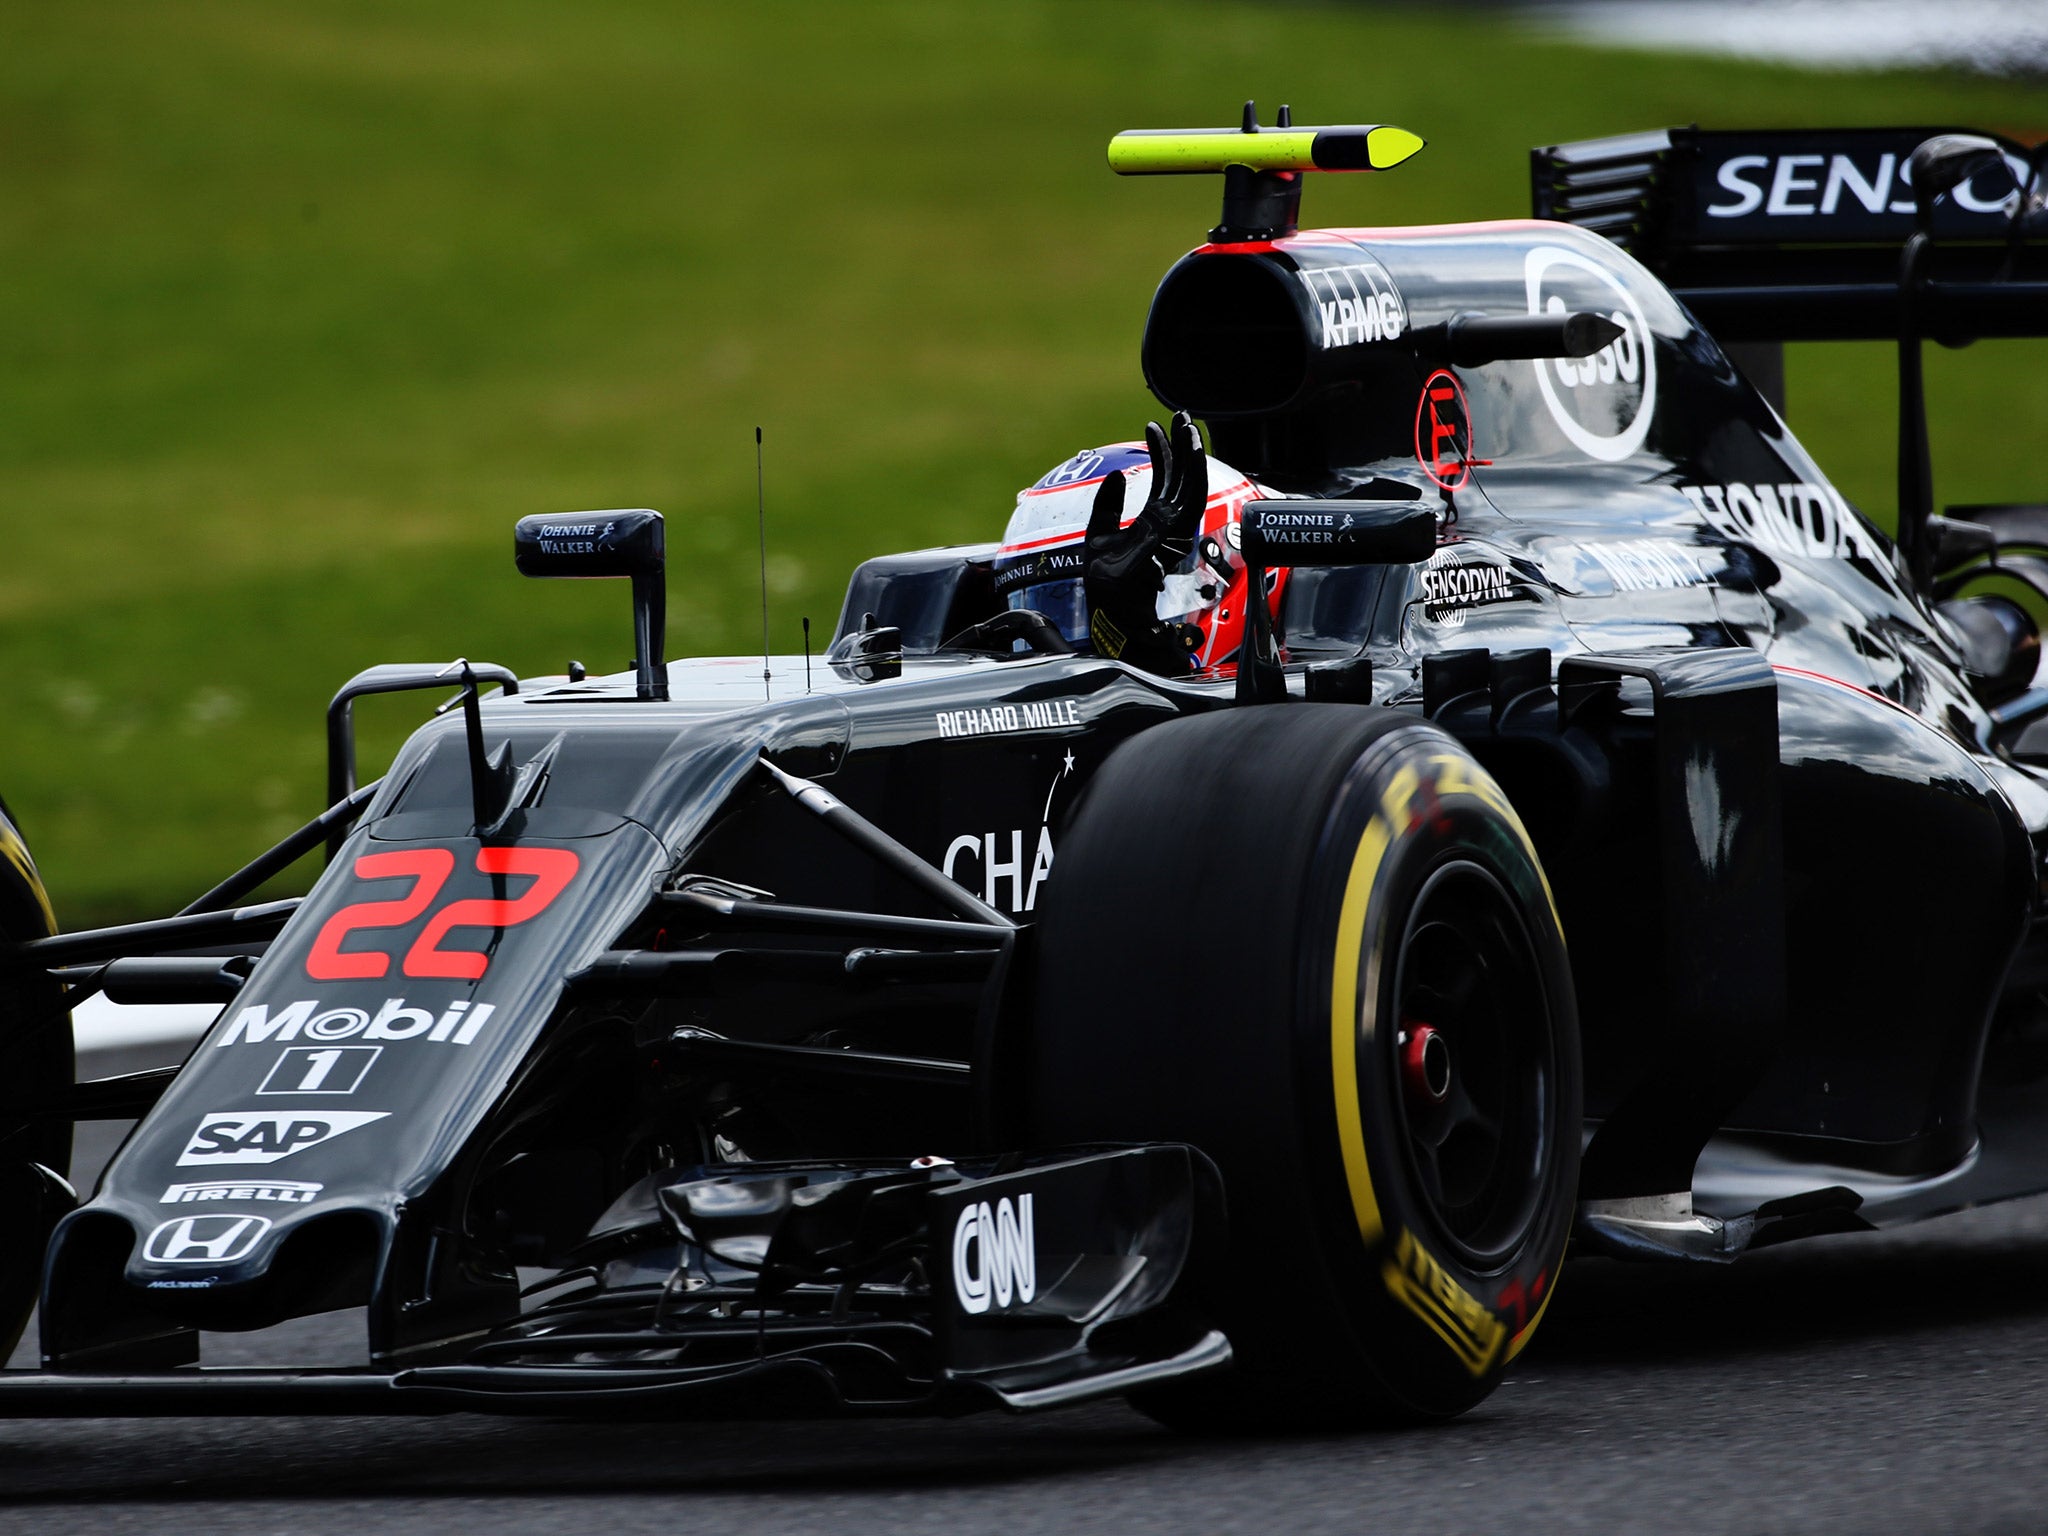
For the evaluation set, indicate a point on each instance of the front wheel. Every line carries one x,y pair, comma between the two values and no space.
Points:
36,1071
1315,941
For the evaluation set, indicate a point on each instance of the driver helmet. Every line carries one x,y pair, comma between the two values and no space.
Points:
1041,561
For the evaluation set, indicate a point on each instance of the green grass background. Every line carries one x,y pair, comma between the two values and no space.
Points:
302,304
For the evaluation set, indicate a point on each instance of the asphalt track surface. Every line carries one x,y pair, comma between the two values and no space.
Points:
1889,1383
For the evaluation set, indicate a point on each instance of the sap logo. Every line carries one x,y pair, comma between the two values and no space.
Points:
995,869
1612,395
204,1239
458,1024
1796,186
995,1261
1798,517
282,1191
240,1138
1357,303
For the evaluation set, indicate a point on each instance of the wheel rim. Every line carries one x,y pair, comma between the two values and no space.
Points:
1472,1064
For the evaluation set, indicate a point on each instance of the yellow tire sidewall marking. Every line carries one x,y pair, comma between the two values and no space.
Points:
1346,1026
15,852
1353,1019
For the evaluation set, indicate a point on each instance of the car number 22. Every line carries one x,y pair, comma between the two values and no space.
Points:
549,869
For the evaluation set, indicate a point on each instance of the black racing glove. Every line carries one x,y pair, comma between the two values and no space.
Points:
1127,566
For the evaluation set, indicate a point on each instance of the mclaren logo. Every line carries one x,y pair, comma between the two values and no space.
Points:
995,1263
204,1239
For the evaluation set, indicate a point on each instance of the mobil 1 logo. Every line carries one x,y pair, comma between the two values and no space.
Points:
458,1024
321,1069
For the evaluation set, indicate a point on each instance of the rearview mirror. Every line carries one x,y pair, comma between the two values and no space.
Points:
627,543
623,543
1475,339
1338,532
1945,162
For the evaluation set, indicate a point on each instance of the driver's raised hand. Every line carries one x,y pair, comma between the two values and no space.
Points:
1127,563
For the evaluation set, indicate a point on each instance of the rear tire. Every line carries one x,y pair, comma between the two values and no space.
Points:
1314,940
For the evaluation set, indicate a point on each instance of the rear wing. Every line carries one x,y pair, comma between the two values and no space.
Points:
1797,235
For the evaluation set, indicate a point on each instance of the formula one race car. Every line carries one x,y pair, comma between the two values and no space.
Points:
982,1020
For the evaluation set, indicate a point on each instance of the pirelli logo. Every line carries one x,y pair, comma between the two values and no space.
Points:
1453,1314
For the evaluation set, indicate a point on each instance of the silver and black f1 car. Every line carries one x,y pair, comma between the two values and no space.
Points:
977,1020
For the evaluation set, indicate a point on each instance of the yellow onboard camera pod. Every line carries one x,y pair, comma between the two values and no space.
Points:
1261,167
1187,151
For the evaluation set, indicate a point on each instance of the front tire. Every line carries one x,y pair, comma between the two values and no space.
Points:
36,1072
1315,941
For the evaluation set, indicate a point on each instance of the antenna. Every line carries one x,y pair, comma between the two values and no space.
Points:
761,516
807,653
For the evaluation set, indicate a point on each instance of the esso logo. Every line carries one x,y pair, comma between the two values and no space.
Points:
1603,404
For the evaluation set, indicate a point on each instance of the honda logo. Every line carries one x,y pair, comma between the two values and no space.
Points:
994,1259
205,1239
